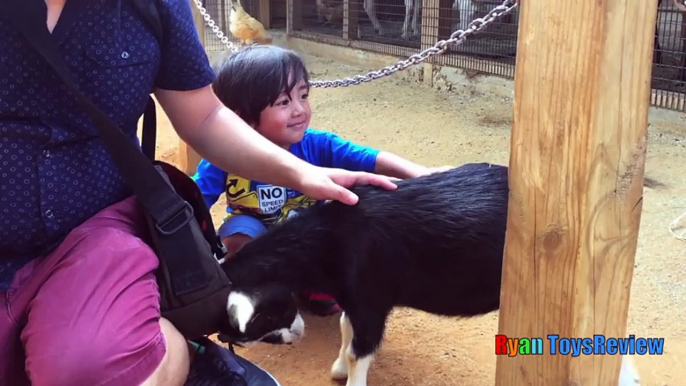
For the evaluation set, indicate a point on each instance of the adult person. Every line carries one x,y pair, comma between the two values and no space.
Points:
78,298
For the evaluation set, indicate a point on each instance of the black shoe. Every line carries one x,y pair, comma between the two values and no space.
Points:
215,365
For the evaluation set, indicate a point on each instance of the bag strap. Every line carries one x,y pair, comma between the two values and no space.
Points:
149,130
167,209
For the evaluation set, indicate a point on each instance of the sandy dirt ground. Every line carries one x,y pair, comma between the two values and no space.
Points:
436,128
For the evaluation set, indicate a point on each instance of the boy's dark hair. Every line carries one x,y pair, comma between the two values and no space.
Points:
251,79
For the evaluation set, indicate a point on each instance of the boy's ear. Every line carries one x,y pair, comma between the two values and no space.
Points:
240,115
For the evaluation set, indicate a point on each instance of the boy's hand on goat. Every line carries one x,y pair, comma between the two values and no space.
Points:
331,184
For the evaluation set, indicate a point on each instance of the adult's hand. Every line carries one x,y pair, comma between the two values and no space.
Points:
331,184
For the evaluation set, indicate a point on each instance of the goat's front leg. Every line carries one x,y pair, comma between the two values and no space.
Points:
370,7
628,376
368,329
359,367
340,367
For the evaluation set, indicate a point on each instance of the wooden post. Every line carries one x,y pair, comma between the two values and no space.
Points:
223,14
430,23
188,159
294,18
436,21
445,21
264,13
429,34
582,88
351,10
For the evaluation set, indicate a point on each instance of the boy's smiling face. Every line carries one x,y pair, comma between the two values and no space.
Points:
285,121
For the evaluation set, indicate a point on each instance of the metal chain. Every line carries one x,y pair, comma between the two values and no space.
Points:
458,37
215,28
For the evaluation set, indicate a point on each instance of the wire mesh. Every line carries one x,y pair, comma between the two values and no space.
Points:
492,51
403,27
669,58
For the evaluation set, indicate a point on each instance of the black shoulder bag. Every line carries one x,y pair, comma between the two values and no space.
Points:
192,285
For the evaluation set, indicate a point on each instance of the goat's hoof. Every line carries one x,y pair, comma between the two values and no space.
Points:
339,370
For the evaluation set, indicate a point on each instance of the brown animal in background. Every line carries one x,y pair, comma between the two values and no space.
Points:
245,27
331,13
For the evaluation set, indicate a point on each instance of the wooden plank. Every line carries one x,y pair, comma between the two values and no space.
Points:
582,89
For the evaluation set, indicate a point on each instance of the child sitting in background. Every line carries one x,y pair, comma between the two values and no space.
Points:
268,86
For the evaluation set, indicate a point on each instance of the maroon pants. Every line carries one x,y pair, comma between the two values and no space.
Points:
88,312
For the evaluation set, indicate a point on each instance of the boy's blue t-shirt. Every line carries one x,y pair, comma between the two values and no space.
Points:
270,203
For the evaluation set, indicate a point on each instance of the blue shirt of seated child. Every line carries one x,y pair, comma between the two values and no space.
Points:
252,206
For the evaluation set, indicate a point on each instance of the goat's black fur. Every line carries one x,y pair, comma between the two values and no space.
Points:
434,244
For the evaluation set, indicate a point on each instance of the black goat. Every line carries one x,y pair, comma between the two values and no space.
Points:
434,244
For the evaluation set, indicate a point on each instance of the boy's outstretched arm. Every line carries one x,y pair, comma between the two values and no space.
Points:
392,165
337,152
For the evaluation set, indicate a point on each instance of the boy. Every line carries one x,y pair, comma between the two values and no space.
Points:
268,87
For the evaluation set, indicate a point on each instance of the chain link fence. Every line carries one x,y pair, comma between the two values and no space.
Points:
403,28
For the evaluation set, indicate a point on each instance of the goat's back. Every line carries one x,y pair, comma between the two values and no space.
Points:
436,243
